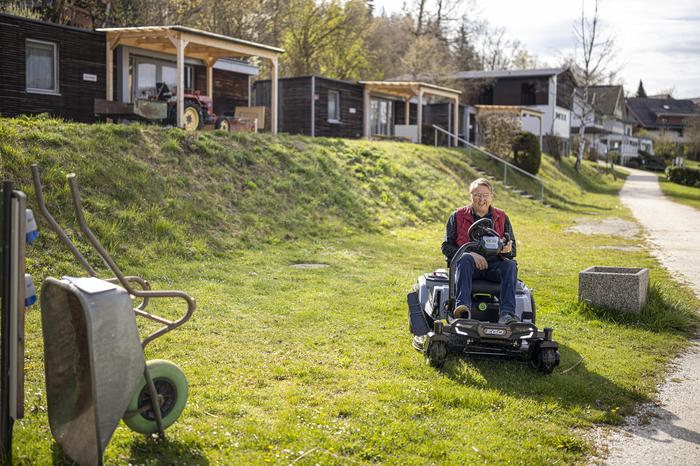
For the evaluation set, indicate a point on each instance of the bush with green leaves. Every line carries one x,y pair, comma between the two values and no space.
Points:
527,152
497,131
684,175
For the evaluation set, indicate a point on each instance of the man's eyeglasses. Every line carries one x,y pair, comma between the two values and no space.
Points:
482,196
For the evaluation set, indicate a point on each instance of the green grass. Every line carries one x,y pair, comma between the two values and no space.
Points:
688,195
284,363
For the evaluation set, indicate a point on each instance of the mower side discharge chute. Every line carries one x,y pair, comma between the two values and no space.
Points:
93,362
417,321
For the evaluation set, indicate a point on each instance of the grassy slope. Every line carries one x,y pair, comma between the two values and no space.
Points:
283,361
688,195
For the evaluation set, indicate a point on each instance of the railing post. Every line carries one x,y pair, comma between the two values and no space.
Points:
435,133
542,193
505,175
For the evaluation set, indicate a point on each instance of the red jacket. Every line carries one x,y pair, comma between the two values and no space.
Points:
464,218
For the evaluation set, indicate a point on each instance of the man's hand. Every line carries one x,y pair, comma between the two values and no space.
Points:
507,248
479,260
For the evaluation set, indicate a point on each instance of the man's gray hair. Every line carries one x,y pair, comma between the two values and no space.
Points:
480,182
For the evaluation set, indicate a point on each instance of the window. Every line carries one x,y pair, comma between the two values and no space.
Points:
381,117
527,94
42,67
150,72
333,106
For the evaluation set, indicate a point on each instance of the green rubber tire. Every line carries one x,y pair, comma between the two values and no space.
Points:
171,383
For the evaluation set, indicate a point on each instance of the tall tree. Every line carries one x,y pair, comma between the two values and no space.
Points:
593,52
640,90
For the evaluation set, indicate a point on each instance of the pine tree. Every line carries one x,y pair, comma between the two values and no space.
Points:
640,90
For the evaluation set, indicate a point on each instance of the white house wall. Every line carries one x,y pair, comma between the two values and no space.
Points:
559,127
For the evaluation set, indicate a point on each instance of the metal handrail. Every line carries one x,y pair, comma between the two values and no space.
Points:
495,157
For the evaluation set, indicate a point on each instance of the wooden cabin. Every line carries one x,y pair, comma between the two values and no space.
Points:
50,68
62,70
320,106
315,106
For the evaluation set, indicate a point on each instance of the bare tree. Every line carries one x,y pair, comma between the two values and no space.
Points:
593,52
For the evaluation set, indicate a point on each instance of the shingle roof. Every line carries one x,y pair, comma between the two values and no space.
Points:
605,98
507,73
645,110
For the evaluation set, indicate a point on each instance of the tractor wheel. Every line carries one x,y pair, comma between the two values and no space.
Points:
437,354
223,124
192,119
171,386
548,360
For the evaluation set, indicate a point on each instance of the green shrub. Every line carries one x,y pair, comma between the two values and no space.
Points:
684,175
527,153
614,155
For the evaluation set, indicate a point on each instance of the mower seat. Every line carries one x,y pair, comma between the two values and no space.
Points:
486,286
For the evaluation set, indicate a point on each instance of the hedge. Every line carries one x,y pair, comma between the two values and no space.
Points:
684,175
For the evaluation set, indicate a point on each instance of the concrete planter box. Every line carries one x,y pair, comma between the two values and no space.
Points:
620,288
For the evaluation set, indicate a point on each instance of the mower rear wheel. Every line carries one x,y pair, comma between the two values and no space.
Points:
192,120
171,386
436,353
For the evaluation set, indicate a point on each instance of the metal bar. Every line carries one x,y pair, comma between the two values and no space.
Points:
155,402
191,305
6,272
495,157
505,175
53,224
17,313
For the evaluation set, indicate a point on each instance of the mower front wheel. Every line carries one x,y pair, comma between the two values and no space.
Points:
547,360
436,353
171,387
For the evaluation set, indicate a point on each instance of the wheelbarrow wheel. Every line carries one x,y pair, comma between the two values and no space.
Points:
171,386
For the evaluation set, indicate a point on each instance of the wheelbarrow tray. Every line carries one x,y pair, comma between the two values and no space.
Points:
93,362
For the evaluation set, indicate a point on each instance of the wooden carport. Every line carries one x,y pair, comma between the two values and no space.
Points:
407,90
188,42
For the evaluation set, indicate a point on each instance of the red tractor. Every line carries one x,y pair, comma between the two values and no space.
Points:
199,109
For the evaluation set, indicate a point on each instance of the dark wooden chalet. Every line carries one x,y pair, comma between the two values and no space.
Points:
316,106
61,70
319,106
48,68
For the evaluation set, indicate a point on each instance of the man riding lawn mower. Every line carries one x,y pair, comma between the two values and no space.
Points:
479,307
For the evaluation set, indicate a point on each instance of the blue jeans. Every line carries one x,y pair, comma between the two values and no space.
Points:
505,271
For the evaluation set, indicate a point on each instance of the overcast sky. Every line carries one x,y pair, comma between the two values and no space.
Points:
657,41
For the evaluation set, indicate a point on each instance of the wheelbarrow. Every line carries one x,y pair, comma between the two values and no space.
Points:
96,372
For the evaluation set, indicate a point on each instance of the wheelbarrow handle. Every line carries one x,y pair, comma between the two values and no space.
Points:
136,279
191,305
53,224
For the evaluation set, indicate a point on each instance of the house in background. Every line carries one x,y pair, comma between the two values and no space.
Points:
608,127
50,68
549,92
315,106
319,106
61,70
662,117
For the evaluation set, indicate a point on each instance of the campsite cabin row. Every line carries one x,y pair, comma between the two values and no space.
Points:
63,71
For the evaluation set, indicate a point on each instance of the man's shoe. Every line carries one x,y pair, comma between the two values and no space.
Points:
462,312
508,319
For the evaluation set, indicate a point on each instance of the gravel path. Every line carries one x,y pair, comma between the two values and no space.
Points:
666,432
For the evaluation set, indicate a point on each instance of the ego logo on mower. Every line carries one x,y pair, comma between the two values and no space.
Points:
494,331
